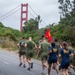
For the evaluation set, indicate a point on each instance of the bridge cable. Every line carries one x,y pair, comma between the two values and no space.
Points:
10,14
36,14
33,16
9,11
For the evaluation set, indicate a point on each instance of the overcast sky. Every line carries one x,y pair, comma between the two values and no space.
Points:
47,9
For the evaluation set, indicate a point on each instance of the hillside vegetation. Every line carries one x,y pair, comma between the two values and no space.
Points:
64,30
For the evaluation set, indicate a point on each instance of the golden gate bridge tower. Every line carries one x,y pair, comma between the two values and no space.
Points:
24,14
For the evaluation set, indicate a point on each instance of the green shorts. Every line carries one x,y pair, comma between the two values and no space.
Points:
29,54
22,52
44,56
74,61
71,59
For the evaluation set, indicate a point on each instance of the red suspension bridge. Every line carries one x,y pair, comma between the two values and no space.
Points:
16,17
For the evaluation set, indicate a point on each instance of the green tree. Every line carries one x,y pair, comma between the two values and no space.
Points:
30,25
1,25
67,14
72,13
64,7
72,22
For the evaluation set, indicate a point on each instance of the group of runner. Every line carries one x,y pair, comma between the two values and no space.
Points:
52,55
26,52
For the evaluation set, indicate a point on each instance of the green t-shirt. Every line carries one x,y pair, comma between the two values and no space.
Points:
30,45
22,43
57,46
74,55
45,46
71,48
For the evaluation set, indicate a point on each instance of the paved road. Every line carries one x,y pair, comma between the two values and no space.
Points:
9,65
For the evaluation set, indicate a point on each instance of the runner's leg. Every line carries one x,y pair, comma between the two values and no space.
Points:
20,59
55,67
24,61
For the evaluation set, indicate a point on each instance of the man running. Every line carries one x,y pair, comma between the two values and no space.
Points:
57,44
22,51
30,52
44,47
74,61
71,57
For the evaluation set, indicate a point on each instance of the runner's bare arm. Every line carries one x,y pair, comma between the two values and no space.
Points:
59,55
71,54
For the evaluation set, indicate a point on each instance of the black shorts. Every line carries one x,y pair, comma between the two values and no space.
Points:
65,65
22,53
52,60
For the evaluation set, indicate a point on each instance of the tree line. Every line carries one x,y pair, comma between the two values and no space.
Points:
64,30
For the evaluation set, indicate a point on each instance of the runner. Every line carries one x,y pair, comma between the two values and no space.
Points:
30,52
39,44
22,51
44,47
71,57
57,44
65,54
52,59
74,62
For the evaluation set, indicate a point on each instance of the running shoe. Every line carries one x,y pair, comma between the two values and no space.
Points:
28,69
24,65
31,65
20,63
42,73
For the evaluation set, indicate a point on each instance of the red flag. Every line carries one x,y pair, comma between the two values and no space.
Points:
48,35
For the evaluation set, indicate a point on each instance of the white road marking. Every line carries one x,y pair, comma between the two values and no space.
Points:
6,63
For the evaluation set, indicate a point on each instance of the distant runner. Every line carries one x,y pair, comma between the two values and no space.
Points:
74,61
30,52
44,47
57,44
71,57
22,51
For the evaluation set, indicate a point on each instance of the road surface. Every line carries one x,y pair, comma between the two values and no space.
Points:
9,65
